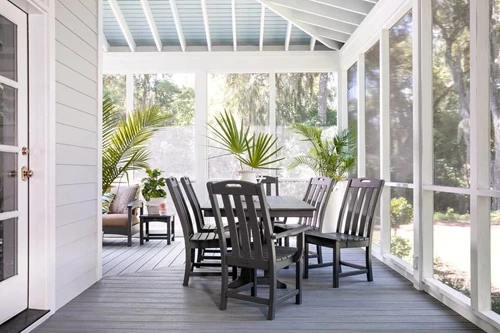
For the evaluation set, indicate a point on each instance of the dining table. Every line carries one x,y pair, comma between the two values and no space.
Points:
278,206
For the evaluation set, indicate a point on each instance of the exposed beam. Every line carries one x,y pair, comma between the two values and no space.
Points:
177,21
105,43
123,24
233,19
321,10
357,6
311,30
330,34
288,35
320,21
152,24
313,43
262,19
207,26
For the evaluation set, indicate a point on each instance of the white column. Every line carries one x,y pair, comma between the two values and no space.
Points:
361,116
479,156
129,99
200,120
385,145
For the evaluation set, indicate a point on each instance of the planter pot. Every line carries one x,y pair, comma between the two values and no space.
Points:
248,175
153,205
333,207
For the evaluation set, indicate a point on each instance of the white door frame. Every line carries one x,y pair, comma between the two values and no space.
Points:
42,217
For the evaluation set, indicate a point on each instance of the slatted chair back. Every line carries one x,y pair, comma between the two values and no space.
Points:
358,206
268,182
180,207
193,201
251,245
317,194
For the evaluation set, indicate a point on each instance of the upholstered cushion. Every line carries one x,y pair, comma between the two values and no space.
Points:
117,220
107,199
123,196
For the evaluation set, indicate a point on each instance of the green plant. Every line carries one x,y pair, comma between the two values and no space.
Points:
257,151
401,213
400,247
124,140
152,186
333,157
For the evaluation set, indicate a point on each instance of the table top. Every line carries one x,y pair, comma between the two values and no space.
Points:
279,206
157,216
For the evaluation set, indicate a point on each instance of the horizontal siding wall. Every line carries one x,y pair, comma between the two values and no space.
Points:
76,149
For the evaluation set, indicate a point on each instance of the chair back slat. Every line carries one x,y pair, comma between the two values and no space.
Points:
248,240
268,182
180,206
193,202
358,206
317,195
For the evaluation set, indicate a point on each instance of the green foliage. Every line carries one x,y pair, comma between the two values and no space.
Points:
401,247
451,216
256,151
152,186
124,142
401,212
333,157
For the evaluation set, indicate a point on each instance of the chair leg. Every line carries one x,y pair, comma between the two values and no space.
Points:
188,265
320,254
129,239
272,294
224,287
193,254
368,255
287,241
298,281
235,273
336,265
253,276
200,256
306,262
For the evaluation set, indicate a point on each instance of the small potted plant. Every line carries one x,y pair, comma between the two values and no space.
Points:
152,190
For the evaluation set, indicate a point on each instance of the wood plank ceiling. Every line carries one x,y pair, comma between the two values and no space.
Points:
230,25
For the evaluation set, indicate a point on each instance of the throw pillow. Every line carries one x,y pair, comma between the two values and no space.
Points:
123,196
107,199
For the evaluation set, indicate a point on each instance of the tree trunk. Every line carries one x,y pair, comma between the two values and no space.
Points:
323,97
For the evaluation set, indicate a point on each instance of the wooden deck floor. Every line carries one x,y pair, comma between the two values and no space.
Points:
142,292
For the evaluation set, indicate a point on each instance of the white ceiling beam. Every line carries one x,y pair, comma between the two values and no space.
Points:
177,21
321,10
311,30
320,21
207,26
233,19
262,19
313,44
357,6
105,43
288,35
123,24
330,34
152,24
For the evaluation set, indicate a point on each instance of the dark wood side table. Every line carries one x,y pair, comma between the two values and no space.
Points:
169,219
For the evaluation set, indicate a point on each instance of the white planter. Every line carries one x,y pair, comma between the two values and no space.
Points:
153,205
248,175
333,207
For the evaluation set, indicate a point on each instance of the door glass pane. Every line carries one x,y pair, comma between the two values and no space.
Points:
8,249
8,182
8,115
372,111
8,49
402,223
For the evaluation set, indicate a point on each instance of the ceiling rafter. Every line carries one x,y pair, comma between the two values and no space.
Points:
262,19
330,34
105,43
152,24
288,35
123,24
207,26
177,21
320,21
233,19
313,44
356,6
309,29
321,10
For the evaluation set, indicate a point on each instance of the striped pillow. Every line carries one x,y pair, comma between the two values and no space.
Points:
107,199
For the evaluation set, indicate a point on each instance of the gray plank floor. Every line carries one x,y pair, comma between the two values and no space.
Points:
142,292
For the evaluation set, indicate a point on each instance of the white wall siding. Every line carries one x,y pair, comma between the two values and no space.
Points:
76,147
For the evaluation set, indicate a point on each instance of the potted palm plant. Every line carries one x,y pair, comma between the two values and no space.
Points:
152,190
332,157
252,150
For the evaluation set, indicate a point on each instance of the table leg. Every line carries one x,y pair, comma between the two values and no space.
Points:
173,228
147,231
141,232
168,232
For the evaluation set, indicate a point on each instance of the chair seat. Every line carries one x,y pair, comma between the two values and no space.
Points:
117,220
282,253
335,236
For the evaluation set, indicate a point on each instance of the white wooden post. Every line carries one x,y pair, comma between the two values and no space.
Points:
200,119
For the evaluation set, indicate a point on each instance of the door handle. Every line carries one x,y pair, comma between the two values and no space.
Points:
26,173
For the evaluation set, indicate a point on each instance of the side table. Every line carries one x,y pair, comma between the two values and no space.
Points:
169,219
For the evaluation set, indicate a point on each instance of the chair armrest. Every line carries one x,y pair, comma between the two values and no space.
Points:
291,232
135,204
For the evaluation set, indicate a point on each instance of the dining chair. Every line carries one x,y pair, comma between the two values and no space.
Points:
317,194
193,240
269,181
253,248
354,228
